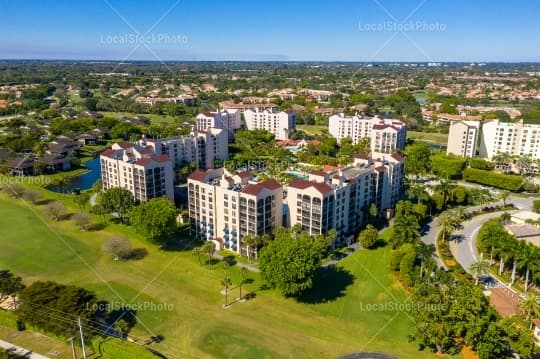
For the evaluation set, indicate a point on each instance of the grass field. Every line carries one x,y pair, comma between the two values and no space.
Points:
313,130
436,138
153,118
342,315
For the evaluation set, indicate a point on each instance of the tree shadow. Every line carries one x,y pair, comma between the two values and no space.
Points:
44,201
179,245
230,260
94,227
138,253
329,284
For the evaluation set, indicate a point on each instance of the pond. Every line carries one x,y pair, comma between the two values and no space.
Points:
83,181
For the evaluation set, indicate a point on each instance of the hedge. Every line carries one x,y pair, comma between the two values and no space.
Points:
493,179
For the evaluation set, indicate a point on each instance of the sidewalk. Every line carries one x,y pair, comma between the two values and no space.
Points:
21,351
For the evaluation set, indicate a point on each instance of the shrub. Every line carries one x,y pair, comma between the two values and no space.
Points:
499,180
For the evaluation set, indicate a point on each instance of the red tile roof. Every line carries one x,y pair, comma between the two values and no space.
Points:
198,175
536,322
161,158
301,184
379,168
143,161
397,157
108,152
328,168
125,144
255,188
244,174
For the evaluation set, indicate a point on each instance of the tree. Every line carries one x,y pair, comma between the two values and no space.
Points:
504,196
40,299
197,252
368,237
119,247
520,337
289,263
10,285
122,327
448,222
209,248
15,190
243,279
251,243
479,269
155,219
527,257
444,188
81,200
417,159
117,200
418,192
56,210
226,282
406,226
530,307
82,220
373,211
33,196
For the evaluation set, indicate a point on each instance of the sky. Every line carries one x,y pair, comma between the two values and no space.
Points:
278,30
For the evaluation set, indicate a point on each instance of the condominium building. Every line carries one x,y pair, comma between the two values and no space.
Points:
339,197
279,123
513,138
228,120
203,147
138,169
387,135
225,207
463,138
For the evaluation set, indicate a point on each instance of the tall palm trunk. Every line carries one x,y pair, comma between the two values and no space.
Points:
501,266
526,280
513,276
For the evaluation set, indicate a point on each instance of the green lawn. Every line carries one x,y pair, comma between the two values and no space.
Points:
153,118
313,130
336,318
437,138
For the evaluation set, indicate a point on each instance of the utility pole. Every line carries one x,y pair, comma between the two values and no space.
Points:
73,347
82,337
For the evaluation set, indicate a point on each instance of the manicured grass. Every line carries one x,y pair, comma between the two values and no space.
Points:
153,118
341,315
437,138
314,130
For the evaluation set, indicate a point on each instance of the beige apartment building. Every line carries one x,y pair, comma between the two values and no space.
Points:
227,120
139,170
279,123
225,207
203,147
340,197
387,135
463,138
514,138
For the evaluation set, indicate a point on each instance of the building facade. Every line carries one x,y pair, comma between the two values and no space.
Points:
386,135
203,147
278,123
139,170
226,207
227,120
516,139
463,138
339,198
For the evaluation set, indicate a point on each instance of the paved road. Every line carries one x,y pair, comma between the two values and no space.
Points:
21,351
464,248
465,251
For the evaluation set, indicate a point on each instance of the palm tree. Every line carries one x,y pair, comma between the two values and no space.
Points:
209,248
528,256
504,196
197,252
445,190
226,283
122,327
417,191
530,306
524,163
243,278
426,255
479,268
448,223
250,242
